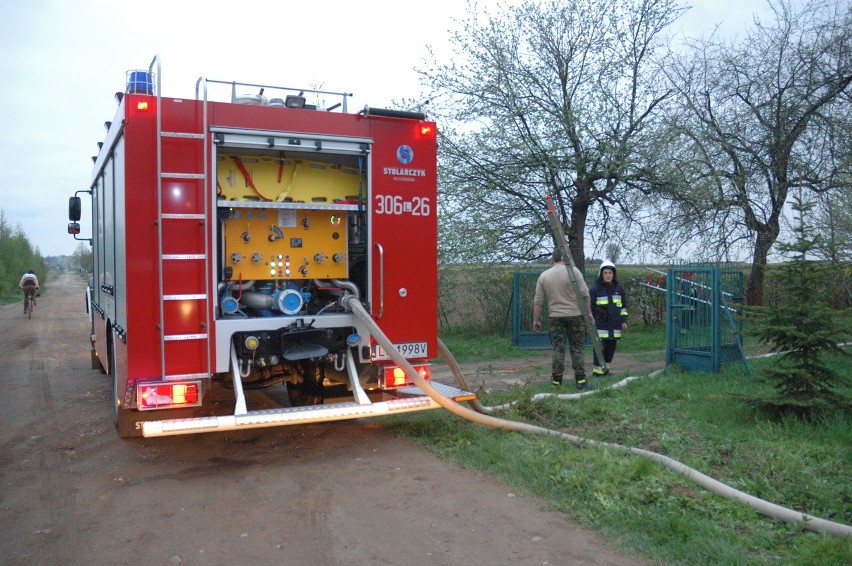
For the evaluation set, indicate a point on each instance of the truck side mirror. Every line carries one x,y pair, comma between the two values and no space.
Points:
74,228
74,208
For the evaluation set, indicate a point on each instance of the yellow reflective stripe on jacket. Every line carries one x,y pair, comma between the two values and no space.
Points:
605,333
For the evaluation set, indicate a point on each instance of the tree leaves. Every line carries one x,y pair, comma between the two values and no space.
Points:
16,256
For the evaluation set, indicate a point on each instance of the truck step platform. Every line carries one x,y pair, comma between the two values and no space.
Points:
406,400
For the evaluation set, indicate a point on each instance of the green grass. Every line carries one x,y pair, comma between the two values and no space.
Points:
647,510
643,338
14,298
18,296
475,346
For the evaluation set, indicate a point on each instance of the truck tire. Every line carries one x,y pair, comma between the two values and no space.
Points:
122,418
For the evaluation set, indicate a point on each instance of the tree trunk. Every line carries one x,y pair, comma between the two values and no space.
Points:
575,232
754,286
767,233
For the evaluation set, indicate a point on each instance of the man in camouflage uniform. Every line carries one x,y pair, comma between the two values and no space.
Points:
566,320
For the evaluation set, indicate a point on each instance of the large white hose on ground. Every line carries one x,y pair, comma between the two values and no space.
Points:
764,507
460,379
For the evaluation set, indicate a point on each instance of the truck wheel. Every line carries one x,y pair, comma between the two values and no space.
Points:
102,364
122,419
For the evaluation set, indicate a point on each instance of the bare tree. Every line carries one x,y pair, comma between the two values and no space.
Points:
82,257
613,252
761,117
833,219
833,209
545,98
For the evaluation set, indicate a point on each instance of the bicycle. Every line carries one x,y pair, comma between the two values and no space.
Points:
29,302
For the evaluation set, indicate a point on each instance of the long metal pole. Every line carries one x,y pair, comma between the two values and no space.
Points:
556,226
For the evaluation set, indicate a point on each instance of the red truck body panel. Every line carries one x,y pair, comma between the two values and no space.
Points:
226,272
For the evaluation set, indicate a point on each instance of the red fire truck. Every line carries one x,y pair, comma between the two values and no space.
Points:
230,236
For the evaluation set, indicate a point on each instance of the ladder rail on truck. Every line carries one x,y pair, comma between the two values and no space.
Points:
201,294
270,216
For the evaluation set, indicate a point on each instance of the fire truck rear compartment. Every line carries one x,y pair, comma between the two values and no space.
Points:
291,246
259,225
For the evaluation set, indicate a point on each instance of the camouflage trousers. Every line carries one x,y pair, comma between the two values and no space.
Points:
570,329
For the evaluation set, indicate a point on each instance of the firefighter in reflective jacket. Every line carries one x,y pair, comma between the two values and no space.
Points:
609,307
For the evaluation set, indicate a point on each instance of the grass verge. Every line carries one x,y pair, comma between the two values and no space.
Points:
11,299
18,297
468,346
642,507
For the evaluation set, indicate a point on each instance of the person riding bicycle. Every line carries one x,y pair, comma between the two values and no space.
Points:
29,283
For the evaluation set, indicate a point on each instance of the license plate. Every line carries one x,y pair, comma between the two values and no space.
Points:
407,349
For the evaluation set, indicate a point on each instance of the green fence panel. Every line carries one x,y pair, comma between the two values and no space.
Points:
703,326
523,293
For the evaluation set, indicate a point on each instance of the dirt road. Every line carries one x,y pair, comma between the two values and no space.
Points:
72,492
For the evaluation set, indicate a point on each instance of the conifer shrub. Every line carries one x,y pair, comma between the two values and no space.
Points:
803,328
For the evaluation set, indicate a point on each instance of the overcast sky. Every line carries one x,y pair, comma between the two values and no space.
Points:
61,61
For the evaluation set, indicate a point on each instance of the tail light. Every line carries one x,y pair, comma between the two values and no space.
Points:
395,376
170,395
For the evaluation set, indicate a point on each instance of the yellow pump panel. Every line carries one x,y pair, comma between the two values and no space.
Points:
268,243
262,178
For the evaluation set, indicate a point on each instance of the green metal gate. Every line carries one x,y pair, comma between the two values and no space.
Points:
703,326
523,293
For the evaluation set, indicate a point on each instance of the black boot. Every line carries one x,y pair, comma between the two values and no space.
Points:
580,378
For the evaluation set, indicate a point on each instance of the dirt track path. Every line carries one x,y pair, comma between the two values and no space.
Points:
72,492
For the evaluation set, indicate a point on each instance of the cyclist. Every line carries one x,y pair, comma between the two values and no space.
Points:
29,283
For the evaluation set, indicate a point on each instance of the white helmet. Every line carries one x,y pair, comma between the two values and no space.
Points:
607,265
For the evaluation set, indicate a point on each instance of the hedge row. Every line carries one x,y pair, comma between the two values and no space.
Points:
478,298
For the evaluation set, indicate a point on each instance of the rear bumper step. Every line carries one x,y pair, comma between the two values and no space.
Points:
410,399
